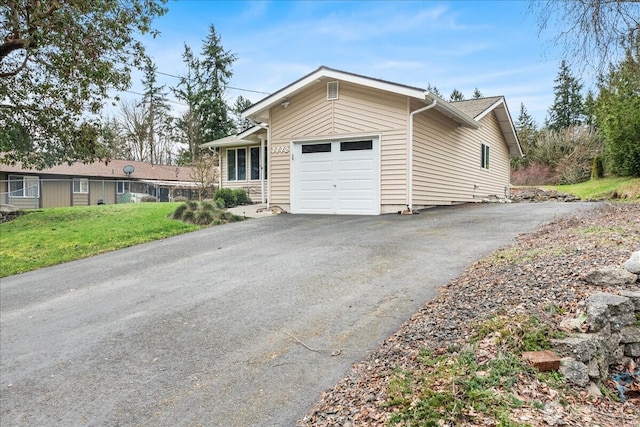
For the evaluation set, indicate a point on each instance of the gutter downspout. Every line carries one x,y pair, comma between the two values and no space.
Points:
262,169
262,147
410,156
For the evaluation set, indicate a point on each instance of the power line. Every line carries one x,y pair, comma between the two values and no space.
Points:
228,87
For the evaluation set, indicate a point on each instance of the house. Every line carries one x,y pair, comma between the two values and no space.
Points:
342,143
82,184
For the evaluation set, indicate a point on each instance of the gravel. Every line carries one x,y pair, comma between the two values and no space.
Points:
541,274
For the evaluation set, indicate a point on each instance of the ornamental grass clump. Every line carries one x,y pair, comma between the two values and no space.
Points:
204,214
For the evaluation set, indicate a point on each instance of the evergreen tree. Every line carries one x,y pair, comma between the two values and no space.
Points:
589,109
203,90
567,109
190,131
240,105
456,95
477,94
214,74
527,131
434,90
618,114
154,102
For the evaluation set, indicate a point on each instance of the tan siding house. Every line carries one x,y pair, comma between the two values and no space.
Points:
341,143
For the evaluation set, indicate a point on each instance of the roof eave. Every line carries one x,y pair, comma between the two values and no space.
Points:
259,112
447,109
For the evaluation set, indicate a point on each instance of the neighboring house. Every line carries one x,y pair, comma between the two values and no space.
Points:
83,184
342,143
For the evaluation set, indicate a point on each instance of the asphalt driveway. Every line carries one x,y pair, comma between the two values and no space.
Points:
236,325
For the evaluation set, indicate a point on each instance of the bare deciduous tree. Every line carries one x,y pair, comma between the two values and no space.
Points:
591,32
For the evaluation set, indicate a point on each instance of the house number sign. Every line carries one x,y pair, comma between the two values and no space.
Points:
282,149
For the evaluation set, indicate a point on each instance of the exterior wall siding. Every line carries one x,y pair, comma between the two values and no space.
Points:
251,186
55,192
447,161
357,111
102,189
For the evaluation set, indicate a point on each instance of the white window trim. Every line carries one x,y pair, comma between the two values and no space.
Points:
246,155
28,182
82,182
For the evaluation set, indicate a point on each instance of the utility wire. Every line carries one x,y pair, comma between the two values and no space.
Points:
228,87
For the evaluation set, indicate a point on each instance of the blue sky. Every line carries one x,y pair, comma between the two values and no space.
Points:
491,45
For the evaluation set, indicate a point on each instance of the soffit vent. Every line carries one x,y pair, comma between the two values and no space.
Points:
332,91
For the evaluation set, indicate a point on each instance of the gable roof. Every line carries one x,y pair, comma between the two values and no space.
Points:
111,169
259,111
250,135
480,107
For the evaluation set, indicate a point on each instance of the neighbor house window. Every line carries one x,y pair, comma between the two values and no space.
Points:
236,164
24,186
80,185
123,187
484,156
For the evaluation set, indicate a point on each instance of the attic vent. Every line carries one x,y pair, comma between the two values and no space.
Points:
332,91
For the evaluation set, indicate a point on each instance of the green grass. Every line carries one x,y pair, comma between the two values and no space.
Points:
459,387
47,237
603,188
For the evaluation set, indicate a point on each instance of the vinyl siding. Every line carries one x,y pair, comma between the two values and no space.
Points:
447,167
102,189
252,187
357,111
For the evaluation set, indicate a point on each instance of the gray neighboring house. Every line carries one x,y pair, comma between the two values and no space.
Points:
83,184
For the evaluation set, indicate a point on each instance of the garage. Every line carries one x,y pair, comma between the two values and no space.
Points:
336,177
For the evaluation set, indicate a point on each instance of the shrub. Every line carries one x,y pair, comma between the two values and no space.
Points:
179,211
147,199
208,206
180,199
189,216
241,197
534,174
228,197
193,205
204,217
597,169
219,203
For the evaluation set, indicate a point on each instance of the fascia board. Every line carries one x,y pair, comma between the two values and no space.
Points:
257,110
452,112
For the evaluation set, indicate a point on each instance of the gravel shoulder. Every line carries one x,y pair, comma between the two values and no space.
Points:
542,275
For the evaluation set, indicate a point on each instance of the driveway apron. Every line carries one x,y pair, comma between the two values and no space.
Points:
237,325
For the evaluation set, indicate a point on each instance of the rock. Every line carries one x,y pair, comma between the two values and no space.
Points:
630,334
633,264
632,350
573,324
610,276
608,309
9,212
633,296
574,371
581,347
594,390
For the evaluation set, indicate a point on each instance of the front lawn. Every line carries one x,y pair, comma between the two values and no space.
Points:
47,237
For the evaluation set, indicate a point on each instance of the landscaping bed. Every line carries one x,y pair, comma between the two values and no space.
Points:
458,360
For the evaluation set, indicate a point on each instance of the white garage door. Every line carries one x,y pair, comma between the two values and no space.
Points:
336,177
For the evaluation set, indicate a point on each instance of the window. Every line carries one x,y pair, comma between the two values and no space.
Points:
255,162
80,185
123,187
484,156
356,145
316,148
236,164
24,186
